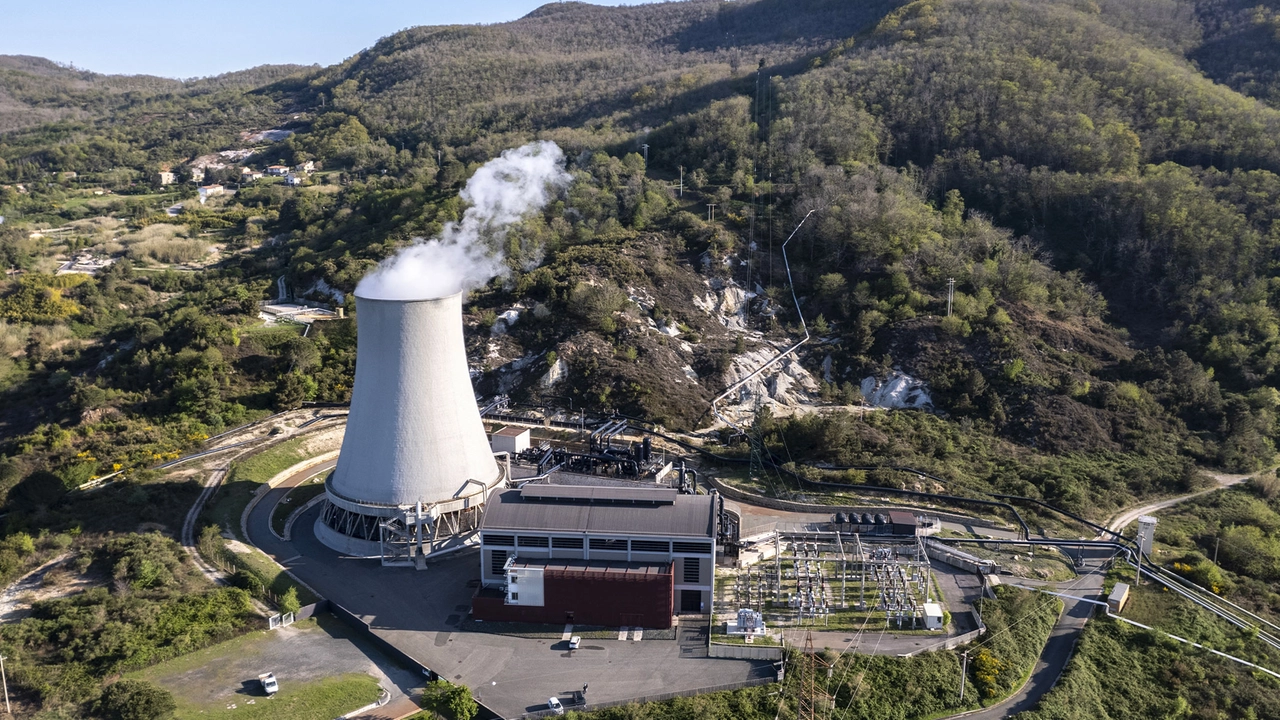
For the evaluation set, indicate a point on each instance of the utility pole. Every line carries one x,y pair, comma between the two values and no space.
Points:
681,181
951,294
1216,543
711,212
645,148
5,680
964,670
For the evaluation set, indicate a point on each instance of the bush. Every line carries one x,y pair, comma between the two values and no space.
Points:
135,700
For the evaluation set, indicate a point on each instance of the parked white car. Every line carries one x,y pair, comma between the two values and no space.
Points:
556,707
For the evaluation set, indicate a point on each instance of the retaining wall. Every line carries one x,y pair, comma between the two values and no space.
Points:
744,652
733,493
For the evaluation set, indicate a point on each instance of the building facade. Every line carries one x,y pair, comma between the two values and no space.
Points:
605,532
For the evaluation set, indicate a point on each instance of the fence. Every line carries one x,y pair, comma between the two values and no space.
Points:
744,652
956,641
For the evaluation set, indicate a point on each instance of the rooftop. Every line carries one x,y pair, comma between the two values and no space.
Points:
601,511
512,431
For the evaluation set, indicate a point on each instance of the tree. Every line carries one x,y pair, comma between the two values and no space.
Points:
135,700
452,701
289,601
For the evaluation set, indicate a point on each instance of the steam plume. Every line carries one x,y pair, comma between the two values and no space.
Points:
468,253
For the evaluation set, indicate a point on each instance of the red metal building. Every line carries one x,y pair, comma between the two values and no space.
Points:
585,592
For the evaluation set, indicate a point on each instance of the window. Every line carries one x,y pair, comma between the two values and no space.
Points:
507,540
607,544
515,579
567,543
498,562
692,571
528,541
515,596
692,547
650,546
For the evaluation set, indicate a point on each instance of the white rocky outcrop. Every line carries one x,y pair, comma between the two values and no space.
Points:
785,384
897,391
727,302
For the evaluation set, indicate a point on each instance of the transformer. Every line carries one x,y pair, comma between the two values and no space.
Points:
415,466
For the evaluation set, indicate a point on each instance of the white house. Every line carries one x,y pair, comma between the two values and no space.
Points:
308,166
167,178
209,191
279,170
293,180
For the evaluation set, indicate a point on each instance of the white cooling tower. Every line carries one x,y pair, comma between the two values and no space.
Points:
415,464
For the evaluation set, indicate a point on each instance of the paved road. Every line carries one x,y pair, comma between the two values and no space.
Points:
1062,640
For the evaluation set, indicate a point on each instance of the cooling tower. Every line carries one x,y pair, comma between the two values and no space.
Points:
415,465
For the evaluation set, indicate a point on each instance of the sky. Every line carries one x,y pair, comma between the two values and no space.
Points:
185,40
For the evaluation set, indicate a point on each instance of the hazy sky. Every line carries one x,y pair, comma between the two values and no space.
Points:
207,38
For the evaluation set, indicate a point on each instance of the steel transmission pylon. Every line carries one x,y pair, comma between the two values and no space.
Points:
812,698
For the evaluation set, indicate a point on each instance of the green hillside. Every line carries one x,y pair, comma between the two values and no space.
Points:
1100,178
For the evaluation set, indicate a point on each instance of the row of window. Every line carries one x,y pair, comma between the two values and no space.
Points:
691,575
575,543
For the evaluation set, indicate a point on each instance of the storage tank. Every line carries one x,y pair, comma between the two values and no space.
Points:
415,465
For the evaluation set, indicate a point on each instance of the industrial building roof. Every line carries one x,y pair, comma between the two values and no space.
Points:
511,431
899,517
601,511
608,567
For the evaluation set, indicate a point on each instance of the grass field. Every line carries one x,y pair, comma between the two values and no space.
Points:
243,481
295,499
319,673
320,700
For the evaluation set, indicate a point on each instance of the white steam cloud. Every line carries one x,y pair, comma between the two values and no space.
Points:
468,253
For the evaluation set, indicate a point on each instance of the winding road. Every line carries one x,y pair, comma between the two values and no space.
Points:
1121,521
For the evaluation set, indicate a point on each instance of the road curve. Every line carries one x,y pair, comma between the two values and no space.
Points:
1121,521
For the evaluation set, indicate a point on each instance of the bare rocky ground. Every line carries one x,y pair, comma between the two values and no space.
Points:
54,579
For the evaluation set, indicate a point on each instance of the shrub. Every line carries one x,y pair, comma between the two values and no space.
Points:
135,700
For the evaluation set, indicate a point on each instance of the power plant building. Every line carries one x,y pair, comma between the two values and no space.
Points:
596,555
415,467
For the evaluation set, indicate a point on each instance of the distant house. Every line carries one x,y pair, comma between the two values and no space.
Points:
167,178
248,175
68,175
197,174
306,167
293,180
209,191
279,170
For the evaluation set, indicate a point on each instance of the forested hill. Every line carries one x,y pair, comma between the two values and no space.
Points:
1100,181
35,90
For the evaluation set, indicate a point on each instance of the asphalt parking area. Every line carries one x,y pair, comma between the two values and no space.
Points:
420,613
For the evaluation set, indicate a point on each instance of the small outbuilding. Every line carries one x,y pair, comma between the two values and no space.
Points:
904,523
1118,598
511,439
933,617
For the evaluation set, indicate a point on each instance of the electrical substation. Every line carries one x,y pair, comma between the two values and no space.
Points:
825,578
